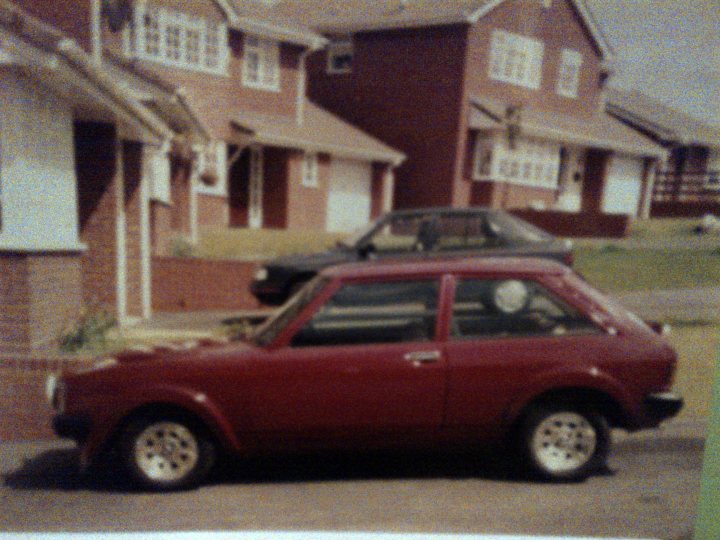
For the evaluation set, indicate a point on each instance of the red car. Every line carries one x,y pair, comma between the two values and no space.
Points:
378,355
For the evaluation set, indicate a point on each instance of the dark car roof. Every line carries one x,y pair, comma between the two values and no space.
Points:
480,265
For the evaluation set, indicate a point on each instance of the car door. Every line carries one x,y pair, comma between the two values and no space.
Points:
364,369
505,336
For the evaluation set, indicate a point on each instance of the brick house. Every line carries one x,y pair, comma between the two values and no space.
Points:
273,154
171,116
495,103
70,189
688,182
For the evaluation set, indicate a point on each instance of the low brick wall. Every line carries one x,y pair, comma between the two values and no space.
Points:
578,224
186,284
24,411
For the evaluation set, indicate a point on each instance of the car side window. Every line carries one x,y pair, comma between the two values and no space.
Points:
404,234
465,232
388,312
508,308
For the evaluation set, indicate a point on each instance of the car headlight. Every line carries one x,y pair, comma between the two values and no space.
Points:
55,392
261,274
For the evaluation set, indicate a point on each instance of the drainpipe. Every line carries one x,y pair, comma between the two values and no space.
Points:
96,31
301,89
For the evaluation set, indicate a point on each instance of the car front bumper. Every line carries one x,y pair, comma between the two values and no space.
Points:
663,405
71,426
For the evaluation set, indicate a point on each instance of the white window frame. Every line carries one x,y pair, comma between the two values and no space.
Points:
337,50
568,78
533,162
261,63
516,59
155,45
310,170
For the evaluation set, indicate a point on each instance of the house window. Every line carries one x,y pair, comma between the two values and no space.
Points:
516,59
179,40
532,162
340,57
310,171
261,63
569,73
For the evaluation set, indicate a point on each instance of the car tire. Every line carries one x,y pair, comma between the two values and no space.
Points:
563,443
166,452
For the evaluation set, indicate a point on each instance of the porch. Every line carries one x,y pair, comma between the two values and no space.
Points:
687,194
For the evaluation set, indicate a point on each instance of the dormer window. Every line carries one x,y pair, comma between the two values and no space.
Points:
340,56
569,73
179,40
516,59
261,63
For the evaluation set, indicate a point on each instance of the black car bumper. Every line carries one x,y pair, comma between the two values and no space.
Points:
68,426
663,405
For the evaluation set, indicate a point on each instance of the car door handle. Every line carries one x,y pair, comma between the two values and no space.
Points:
422,357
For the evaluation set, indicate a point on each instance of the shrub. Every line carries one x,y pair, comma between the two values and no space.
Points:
89,331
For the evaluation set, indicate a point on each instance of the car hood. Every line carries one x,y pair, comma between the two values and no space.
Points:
195,349
314,262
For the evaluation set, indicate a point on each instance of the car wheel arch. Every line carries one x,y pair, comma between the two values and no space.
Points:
580,397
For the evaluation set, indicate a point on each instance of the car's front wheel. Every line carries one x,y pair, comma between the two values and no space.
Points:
564,443
166,452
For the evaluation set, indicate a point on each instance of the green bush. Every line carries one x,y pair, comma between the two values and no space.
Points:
88,332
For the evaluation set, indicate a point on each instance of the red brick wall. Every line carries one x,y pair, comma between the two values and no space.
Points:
132,175
70,16
95,166
557,27
406,89
218,98
307,206
505,195
161,232
24,408
180,197
212,210
197,285
581,224
40,295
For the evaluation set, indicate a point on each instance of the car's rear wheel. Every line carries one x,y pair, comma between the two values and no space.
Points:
564,442
166,452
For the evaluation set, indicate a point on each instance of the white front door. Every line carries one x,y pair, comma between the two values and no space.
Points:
623,185
349,195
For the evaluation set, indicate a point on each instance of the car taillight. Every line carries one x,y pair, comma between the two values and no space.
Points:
569,258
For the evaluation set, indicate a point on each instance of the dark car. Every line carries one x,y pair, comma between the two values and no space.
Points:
418,234
444,354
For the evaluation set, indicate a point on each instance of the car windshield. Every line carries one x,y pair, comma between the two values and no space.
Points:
271,328
517,229
352,240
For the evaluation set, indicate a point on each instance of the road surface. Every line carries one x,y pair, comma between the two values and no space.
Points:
650,491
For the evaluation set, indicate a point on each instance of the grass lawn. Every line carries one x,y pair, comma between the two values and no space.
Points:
612,268
697,347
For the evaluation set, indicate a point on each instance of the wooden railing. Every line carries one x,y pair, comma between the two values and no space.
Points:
701,187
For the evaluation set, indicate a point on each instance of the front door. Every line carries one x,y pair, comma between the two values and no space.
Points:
365,369
246,189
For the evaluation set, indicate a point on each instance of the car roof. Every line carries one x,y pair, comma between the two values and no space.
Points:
468,265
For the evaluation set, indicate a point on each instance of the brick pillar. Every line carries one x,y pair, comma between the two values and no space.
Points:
40,295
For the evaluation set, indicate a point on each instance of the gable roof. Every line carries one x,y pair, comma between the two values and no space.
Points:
58,62
350,16
664,124
602,131
319,131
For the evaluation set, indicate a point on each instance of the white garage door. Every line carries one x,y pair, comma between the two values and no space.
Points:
349,195
624,185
